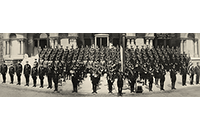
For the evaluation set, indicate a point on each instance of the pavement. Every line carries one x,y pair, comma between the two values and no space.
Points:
85,89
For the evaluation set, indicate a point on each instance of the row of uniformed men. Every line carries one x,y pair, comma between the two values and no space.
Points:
52,72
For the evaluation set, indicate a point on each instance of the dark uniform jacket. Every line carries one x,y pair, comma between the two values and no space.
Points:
50,70
27,69
11,70
55,76
18,69
4,69
41,72
34,72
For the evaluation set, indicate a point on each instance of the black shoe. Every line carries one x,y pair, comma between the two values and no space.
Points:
73,91
49,87
11,82
162,90
34,85
93,92
41,86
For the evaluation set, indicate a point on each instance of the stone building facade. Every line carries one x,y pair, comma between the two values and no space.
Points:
14,46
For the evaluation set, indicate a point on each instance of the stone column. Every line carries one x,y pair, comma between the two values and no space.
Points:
185,46
147,42
151,43
7,48
100,42
22,47
128,43
182,46
95,42
4,47
75,43
38,43
196,48
108,43
56,42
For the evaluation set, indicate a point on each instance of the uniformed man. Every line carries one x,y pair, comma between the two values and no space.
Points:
4,70
173,76
162,77
74,78
95,81
41,75
156,74
197,71
150,78
11,73
184,72
50,73
191,73
110,81
120,82
19,72
34,73
56,78
27,72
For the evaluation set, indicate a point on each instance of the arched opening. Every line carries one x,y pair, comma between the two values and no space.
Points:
13,36
191,36
43,40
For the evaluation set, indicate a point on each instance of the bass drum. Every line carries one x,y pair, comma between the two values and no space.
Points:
138,88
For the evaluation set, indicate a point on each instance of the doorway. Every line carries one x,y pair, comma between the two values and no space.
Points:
102,42
43,43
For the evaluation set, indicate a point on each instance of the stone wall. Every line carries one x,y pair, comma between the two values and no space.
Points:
1,48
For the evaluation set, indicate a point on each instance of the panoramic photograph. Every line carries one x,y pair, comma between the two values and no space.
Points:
99,64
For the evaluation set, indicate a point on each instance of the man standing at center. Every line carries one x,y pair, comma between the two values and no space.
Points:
27,72
19,72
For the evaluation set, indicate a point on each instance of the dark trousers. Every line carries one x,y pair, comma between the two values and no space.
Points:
156,81
34,80
49,77
75,85
19,78
120,90
56,86
11,78
162,81
41,82
94,87
27,79
132,83
110,86
191,78
197,79
184,79
173,82
150,86
4,78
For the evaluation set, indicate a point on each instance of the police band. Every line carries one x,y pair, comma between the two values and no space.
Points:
143,66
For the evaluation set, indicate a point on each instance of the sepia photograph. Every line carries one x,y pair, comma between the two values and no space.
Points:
100,64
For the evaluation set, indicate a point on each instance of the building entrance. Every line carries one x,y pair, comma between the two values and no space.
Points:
43,43
102,42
